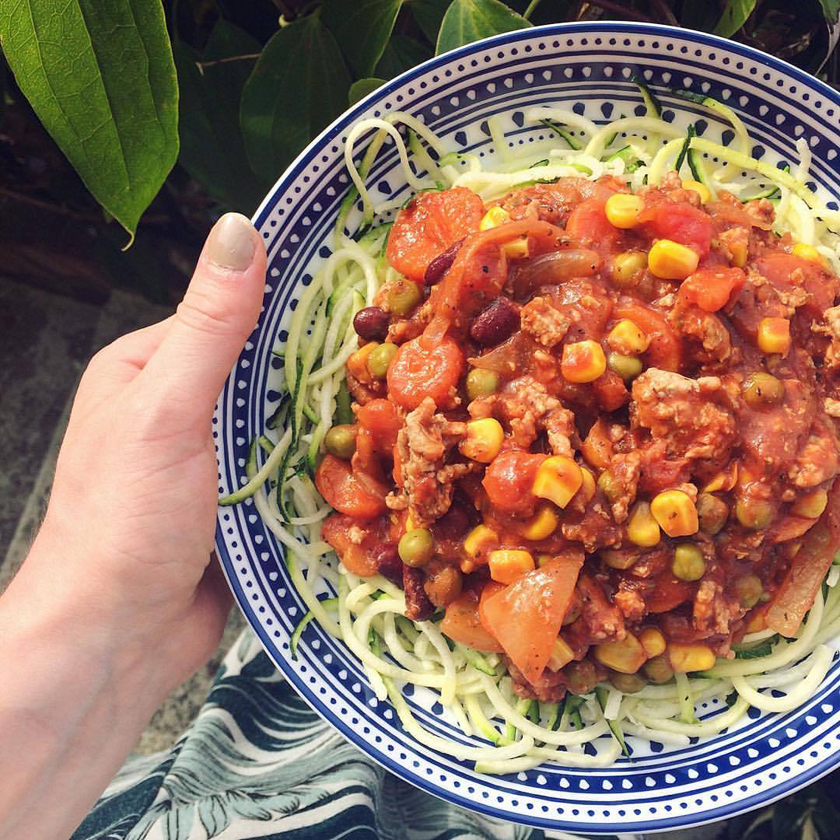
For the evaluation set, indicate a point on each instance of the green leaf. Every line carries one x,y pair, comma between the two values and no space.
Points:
100,76
401,54
466,21
359,90
212,148
298,86
362,29
428,14
734,17
831,10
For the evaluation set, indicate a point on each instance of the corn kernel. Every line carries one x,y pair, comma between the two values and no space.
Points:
724,480
757,622
516,249
587,487
625,656
583,361
675,513
561,654
652,641
642,528
357,363
701,189
494,217
479,541
685,658
811,505
507,564
541,525
810,253
672,261
627,338
774,335
558,479
739,254
483,441
623,210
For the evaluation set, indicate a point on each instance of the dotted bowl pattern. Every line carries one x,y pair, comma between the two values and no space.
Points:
586,67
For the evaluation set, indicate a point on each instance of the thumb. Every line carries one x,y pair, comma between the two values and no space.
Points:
212,322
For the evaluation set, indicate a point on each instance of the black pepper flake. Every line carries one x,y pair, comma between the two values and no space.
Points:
485,269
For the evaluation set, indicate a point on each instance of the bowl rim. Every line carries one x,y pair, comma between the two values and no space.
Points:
259,217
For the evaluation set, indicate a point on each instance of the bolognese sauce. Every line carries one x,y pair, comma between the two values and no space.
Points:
596,428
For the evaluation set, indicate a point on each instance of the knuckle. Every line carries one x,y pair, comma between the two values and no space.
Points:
199,311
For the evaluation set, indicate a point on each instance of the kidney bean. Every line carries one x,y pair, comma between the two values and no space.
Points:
499,321
441,264
371,323
388,563
418,607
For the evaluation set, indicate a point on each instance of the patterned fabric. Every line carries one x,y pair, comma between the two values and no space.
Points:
259,763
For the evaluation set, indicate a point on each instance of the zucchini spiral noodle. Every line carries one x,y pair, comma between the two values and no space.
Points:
367,614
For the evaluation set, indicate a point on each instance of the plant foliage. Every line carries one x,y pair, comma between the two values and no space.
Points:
258,80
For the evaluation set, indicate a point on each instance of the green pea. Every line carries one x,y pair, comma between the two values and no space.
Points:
403,296
627,367
341,441
763,389
416,547
379,359
754,513
749,590
688,562
658,670
482,383
627,267
609,486
627,683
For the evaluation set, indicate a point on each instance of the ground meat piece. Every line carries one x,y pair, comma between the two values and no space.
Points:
625,470
762,210
629,600
363,393
832,407
651,563
404,329
549,688
818,459
713,611
734,241
423,443
545,323
560,427
831,328
596,529
709,330
683,412
603,621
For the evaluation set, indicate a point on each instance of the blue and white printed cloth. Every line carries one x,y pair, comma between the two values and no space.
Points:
259,763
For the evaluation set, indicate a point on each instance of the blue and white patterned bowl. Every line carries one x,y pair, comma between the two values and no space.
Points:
586,67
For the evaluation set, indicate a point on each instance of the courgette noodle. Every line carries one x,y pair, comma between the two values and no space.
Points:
510,734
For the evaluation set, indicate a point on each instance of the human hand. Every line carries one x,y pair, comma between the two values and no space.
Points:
130,522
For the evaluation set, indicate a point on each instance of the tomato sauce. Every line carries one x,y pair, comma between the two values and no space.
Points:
591,449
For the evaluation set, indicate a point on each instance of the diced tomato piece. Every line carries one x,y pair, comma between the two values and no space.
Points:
343,491
712,288
421,370
670,592
527,615
461,624
588,223
664,349
336,531
679,222
428,225
510,478
380,418
480,270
